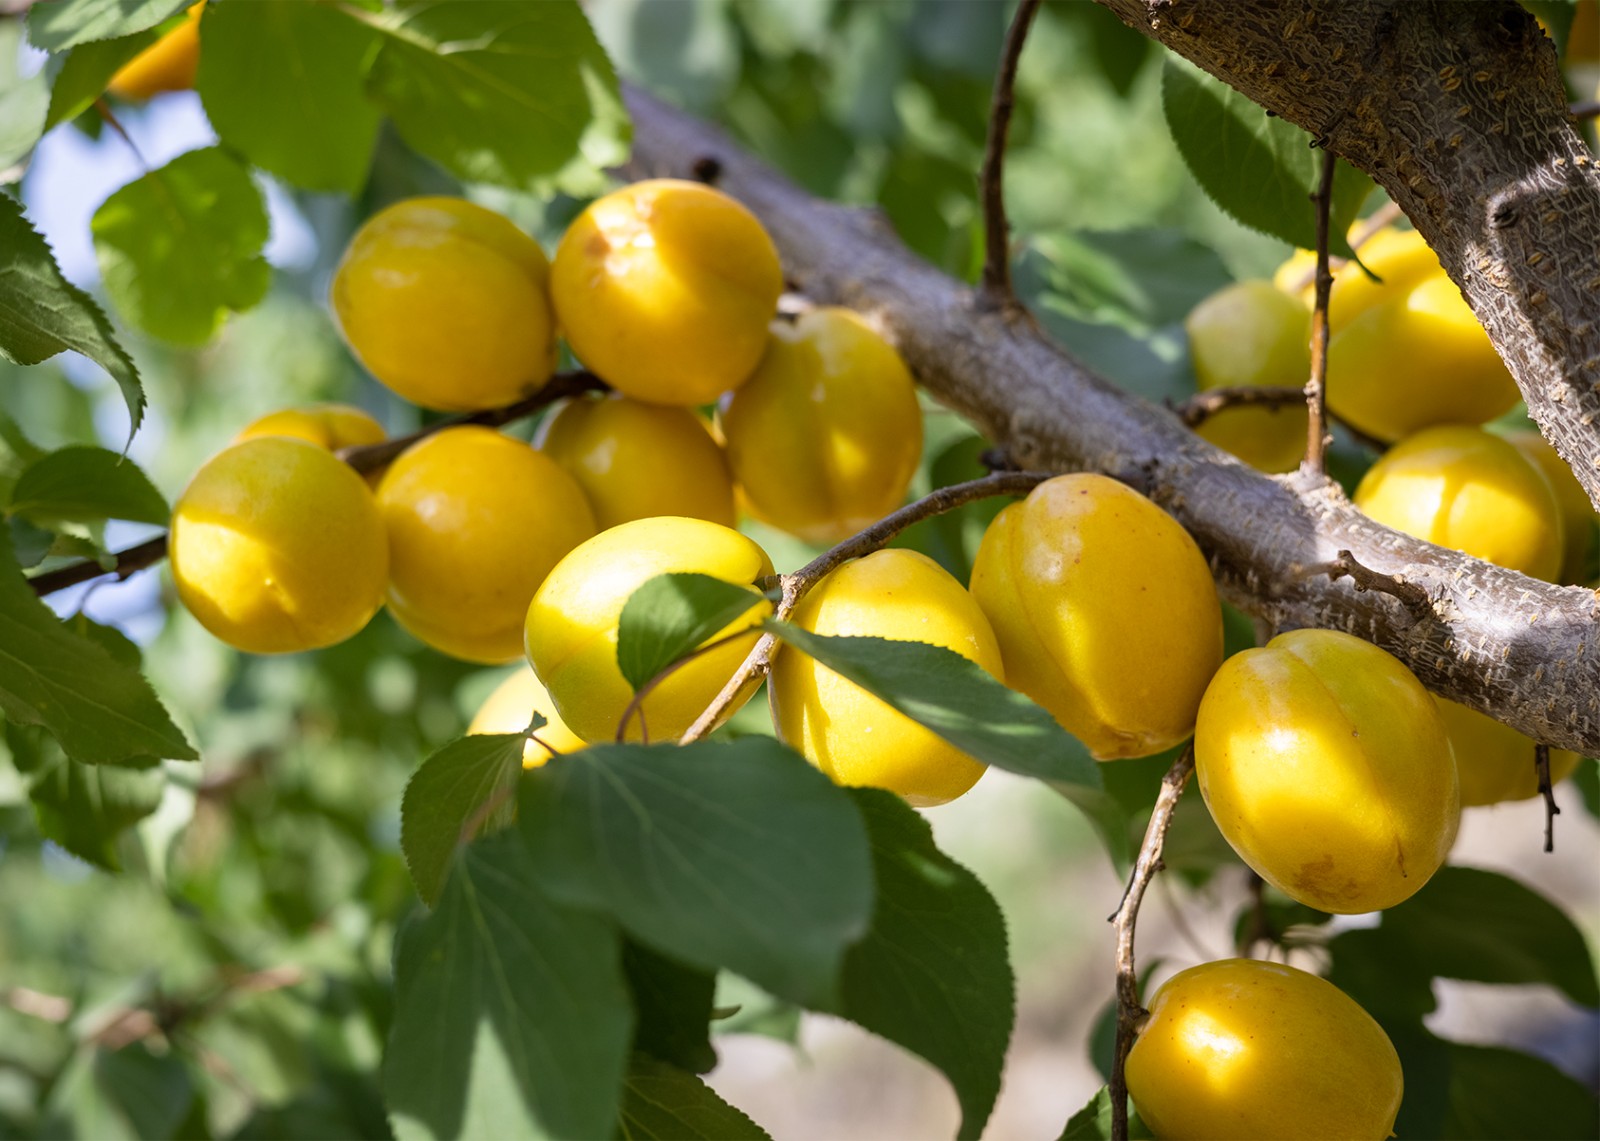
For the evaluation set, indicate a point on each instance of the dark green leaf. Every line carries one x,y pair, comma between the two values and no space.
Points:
284,85
511,1016
30,544
663,1103
67,23
932,973
155,1092
42,313
1370,966
1137,280
511,92
97,708
81,484
1425,1066
1093,1121
1586,779
1471,924
83,808
1259,168
86,72
453,788
672,614
146,235
24,100
736,855
1505,1095
673,1007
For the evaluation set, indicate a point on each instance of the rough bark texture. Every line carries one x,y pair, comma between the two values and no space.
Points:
1456,109
1497,640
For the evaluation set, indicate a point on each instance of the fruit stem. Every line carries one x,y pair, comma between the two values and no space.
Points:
995,289
1317,385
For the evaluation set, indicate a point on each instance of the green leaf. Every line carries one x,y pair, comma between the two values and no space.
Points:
1258,168
1500,1094
42,313
736,855
932,973
82,484
1466,923
669,616
673,1006
99,709
1369,966
1093,1121
511,1017
284,85
958,700
663,1103
83,808
155,1092
58,26
513,92
24,100
87,71
1586,779
146,236
450,789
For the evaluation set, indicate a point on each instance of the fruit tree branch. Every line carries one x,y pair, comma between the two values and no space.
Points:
1457,110
1493,631
1541,762
1317,385
996,231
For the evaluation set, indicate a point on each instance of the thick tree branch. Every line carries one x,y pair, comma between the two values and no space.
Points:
1457,110
1497,641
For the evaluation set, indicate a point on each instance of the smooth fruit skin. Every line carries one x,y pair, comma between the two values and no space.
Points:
1105,611
510,709
1239,1050
1253,334
448,304
1494,761
1580,526
1325,764
572,624
636,460
276,546
845,731
169,64
825,437
1470,490
330,426
475,520
665,289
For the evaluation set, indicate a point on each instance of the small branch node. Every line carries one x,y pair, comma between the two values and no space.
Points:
1413,597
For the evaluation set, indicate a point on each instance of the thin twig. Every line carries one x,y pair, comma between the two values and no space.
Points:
1412,596
1130,1014
794,586
1381,218
366,458
636,703
115,124
1541,761
996,283
1584,109
1200,407
1317,384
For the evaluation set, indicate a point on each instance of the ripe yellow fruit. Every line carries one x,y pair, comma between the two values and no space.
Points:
1470,490
845,731
448,304
1105,610
636,460
169,64
277,546
572,624
1407,353
825,437
665,289
510,709
1242,1050
1325,764
1251,333
1494,761
331,426
1580,526
475,520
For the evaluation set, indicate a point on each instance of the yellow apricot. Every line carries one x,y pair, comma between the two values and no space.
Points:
475,521
1325,764
510,709
1105,611
1251,333
635,460
845,731
169,64
277,546
1467,489
1242,1050
331,426
825,437
448,304
572,624
1494,761
1580,526
665,289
